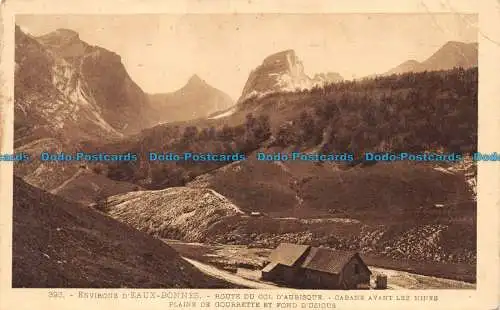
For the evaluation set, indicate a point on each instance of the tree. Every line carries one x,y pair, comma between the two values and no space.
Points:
249,122
262,131
101,200
285,136
306,128
226,133
190,134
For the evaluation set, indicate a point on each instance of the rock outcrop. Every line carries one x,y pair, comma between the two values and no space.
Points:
322,79
176,213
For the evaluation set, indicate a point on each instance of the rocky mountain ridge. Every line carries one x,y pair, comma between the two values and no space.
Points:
66,87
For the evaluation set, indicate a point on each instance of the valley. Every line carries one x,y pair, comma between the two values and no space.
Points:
412,220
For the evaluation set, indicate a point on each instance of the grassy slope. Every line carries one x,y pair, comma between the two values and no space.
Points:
384,210
88,187
383,190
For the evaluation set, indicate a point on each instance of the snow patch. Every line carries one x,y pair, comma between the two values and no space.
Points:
224,114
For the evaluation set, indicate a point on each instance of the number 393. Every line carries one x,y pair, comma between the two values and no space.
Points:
55,294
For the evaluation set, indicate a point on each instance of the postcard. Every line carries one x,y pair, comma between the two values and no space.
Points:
250,154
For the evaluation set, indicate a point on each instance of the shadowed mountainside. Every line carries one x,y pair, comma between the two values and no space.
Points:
66,88
62,244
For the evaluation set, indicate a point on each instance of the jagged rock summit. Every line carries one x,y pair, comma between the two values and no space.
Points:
60,36
282,71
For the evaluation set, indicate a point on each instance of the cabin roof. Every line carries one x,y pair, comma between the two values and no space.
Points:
328,260
319,259
287,253
269,267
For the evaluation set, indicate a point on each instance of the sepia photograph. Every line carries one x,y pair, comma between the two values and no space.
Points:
320,151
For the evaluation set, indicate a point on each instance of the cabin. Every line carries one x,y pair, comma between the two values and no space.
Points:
307,267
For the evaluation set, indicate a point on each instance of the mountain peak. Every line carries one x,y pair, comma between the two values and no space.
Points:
66,32
62,33
195,99
451,54
59,37
281,71
195,80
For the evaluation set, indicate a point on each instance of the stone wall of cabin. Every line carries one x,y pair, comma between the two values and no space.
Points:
273,274
319,280
349,275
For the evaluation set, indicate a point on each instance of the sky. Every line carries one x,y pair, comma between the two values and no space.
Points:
162,51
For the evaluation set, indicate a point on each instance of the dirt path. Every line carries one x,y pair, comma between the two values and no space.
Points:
295,180
73,177
404,280
222,198
227,276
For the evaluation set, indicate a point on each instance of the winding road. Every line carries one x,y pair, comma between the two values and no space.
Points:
227,276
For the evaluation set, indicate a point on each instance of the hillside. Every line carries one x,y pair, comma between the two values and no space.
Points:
66,91
196,99
88,187
76,247
300,189
176,212
393,211
82,182
396,210
394,113
44,174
